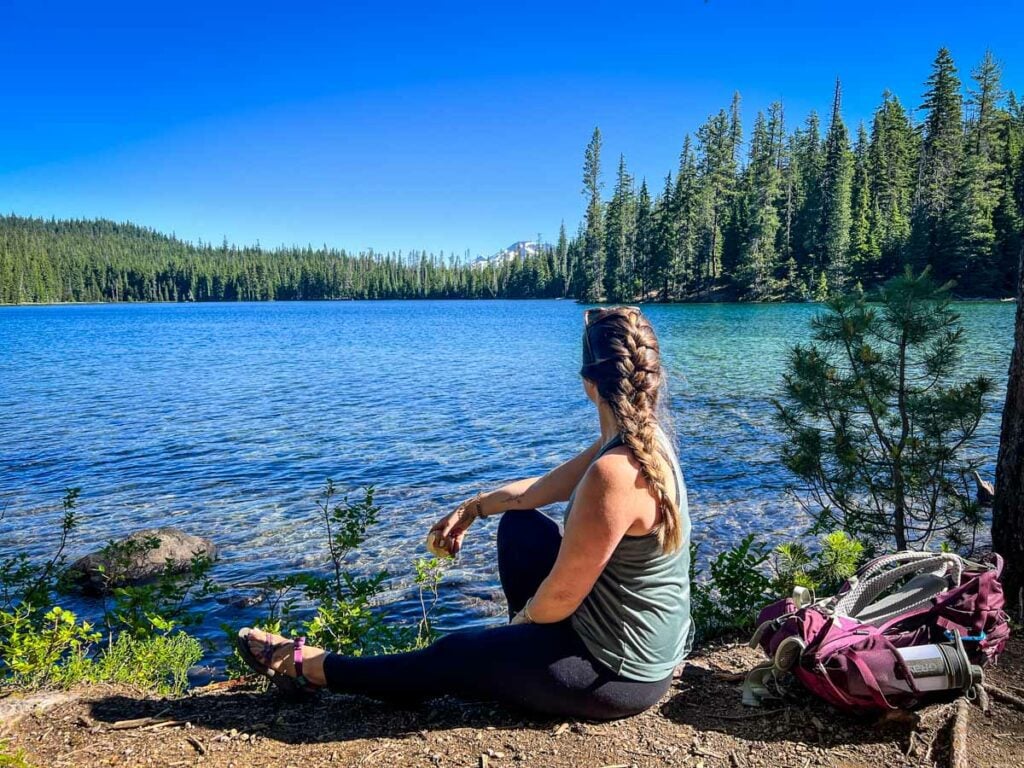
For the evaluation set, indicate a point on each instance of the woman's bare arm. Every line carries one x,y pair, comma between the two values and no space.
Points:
448,532
534,492
603,511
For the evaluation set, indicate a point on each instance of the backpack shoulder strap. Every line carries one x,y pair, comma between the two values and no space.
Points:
880,575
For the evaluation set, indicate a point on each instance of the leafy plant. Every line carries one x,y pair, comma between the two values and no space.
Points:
159,663
737,589
45,645
143,610
429,574
344,620
38,652
702,604
739,584
792,562
10,759
835,561
23,582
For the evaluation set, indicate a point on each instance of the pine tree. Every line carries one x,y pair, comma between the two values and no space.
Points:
620,236
592,287
1008,218
761,189
864,254
734,223
941,156
834,224
878,419
978,188
577,257
645,240
684,209
562,260
663,249
892,169
807,165
717,168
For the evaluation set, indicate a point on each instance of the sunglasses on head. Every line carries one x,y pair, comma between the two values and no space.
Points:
592,317
597,314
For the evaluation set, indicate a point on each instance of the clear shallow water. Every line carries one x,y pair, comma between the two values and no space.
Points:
225,420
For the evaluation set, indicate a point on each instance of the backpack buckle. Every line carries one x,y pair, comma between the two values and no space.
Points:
951,635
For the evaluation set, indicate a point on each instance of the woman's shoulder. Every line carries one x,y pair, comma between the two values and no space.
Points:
612,473
619,469
617,461
607,491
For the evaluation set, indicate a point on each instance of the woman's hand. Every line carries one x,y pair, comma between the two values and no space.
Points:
523,617
520,618
448,532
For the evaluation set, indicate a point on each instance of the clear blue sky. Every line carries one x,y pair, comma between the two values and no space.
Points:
431,125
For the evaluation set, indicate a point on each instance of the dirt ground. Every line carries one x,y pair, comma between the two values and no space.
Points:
700,723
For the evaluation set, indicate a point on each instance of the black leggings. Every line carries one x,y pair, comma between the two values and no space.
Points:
544,668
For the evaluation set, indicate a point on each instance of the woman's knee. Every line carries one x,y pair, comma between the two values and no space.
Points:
518,524
455,645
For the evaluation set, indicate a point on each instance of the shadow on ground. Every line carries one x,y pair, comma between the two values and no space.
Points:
329,718
709,699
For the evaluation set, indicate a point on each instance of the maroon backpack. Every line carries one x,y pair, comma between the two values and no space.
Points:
904,627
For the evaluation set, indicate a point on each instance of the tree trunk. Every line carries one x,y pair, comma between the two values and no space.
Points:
1008,506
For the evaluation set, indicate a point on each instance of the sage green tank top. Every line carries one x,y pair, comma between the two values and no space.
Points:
636,619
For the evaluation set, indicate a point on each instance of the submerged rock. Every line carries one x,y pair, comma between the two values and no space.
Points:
243,601
142,556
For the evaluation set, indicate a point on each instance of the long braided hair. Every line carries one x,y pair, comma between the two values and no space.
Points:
621,357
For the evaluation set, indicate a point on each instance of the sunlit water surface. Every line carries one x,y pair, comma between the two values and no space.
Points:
225,420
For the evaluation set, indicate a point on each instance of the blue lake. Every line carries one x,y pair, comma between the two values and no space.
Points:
225,420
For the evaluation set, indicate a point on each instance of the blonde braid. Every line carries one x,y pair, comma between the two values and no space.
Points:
633,400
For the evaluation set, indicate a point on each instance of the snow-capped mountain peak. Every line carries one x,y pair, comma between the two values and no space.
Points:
519,248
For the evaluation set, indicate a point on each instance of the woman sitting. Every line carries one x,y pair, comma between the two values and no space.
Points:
600,617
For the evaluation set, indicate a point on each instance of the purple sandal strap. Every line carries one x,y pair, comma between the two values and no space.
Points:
262,661
267,652
297,657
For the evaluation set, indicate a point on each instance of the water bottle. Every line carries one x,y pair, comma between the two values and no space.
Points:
940,667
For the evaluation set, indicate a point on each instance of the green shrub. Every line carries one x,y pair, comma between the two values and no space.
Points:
10,759
429,574
28,584
159,663
344,620
879,421
835,561
740,584
44,645
52,650
144,610
737,588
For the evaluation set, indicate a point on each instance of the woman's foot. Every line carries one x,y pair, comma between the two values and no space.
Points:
275,656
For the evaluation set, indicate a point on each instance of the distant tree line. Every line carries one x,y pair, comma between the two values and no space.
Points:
795,215
781,215
54,260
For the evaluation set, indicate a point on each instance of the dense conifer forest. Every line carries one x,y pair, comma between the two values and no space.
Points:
782,214
44,261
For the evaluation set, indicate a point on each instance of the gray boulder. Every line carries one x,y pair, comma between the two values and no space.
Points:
140,557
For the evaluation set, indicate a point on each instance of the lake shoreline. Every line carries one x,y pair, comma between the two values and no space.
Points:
956,300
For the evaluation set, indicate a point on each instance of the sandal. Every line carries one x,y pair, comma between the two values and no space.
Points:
297,686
